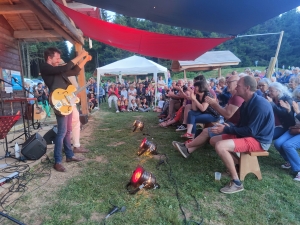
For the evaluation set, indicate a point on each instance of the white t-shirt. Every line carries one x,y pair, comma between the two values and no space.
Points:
124,93
132,92
160,104
161,83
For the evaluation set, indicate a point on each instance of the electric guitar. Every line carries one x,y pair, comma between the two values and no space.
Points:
63,100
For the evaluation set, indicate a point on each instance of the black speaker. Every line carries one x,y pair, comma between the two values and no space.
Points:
34,147
50,135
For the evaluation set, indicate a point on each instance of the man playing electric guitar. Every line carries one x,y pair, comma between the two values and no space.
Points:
55,77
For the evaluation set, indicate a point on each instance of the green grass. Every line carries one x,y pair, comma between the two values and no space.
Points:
85,198
213,73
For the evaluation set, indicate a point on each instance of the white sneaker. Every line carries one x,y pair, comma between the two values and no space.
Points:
117,111
297,178
181,128
287,165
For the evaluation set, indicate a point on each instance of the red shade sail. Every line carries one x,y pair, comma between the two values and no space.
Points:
142,42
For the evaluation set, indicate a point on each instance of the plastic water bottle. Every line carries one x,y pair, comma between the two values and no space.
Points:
17,150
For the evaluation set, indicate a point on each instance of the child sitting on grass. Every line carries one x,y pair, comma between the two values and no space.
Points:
92,102
122,104
144,107
133,106
160,104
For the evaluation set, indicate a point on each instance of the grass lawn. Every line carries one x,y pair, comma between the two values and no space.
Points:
84,199
214,73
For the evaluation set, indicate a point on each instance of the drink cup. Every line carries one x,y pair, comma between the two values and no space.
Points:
217,176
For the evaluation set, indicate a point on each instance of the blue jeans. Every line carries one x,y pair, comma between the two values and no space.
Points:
287,146
63,137
278,131
197,117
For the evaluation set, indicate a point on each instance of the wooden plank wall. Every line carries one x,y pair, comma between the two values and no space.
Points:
9,51
11,60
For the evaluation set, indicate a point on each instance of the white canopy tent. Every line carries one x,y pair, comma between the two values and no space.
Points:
134,65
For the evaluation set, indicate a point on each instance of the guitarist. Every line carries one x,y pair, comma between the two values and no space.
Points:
55,76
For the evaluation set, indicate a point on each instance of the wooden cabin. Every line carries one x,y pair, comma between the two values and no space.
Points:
32,21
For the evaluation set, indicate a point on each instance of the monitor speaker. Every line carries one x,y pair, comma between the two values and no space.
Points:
34,147
50,135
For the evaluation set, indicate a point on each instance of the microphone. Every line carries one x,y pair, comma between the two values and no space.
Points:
15,79
114,210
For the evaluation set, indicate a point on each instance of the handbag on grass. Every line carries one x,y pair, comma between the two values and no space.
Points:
295,129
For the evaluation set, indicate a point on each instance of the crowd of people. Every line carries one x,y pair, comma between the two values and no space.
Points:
126,96
243,112
240,113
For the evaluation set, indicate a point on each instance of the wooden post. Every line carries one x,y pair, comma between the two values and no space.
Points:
272,62
28,61
81,82
219,72
184,75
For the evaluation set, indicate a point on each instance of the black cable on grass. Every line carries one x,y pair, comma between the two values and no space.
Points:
19,184
172,178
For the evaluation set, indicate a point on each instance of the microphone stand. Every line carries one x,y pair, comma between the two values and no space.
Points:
7,153
11,218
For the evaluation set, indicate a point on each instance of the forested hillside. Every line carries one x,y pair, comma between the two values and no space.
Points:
248,49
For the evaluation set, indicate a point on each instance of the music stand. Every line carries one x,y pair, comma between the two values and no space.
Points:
6,123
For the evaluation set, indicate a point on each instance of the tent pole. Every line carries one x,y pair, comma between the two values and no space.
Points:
184,75
220,72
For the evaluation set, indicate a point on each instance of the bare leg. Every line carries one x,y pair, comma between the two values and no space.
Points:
215,139
187,108
224,149
171,108
189,128
198,141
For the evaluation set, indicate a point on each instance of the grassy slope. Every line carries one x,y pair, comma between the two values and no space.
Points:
213,73
274,200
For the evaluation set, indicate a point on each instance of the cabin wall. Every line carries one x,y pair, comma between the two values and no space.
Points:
10,60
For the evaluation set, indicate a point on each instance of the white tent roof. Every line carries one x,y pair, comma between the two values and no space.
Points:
213,57
133,65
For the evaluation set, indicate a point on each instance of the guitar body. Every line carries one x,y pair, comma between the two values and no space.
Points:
62,100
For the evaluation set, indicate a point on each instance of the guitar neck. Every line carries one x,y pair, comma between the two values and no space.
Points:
82,88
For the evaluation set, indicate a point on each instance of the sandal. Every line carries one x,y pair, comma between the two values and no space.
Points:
163,124
188,141
187,135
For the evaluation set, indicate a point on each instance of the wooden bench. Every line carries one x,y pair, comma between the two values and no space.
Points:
249,163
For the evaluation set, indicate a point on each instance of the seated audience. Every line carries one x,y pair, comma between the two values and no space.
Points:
176,99
143,106
230,112
160,104
288,143
263,85
133,106
201,111
254,132
294,82
140,93
92,102
122,104
124,92
283,118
